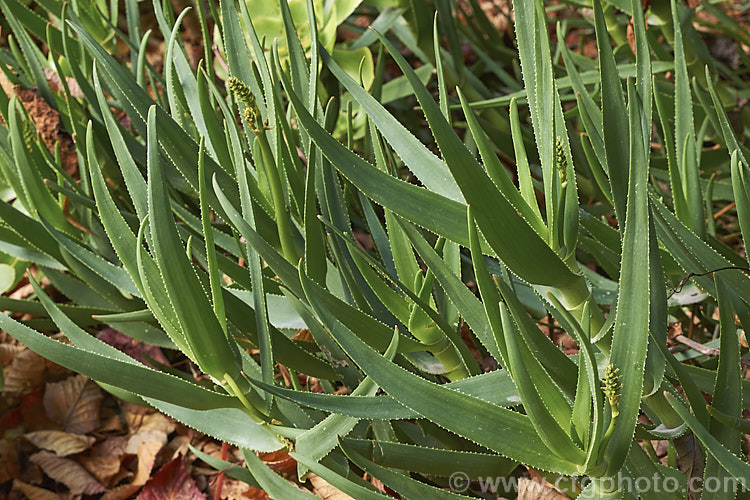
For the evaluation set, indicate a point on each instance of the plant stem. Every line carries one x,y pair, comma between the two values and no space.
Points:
231,386
574,297
288,247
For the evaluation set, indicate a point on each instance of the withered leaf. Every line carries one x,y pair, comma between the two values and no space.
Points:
8,352
151,421
103,468
74,403
26,372
67,472
256,494
34,492
121,492
9,467
147,452
172,482
537,489
62,443
325,490
232,489
280,461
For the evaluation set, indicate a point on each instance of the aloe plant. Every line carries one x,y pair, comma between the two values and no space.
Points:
222,217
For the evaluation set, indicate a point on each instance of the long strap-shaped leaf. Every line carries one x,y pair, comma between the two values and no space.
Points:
735,466
404,485
317,442
544,404
433,461
509,235
727,397
432,171
630,338
337,480
468,305
211,348
178,146
495,387
447,333
684,132
272,483
445,216
124,374
614,117
501,430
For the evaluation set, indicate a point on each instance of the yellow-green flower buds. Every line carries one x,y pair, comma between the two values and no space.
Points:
243,93
561,162
612,386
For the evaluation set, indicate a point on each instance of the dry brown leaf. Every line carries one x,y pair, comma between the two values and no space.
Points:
537,489
25,373
212,448
145,436
177,447
102,468
22,292
62,443
325,490
147,452
9,468
74,403
303,335
153,421
172,482
232,489
280,461
8,352
33,492
121,492
256,494
33,413
67,472
56,84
